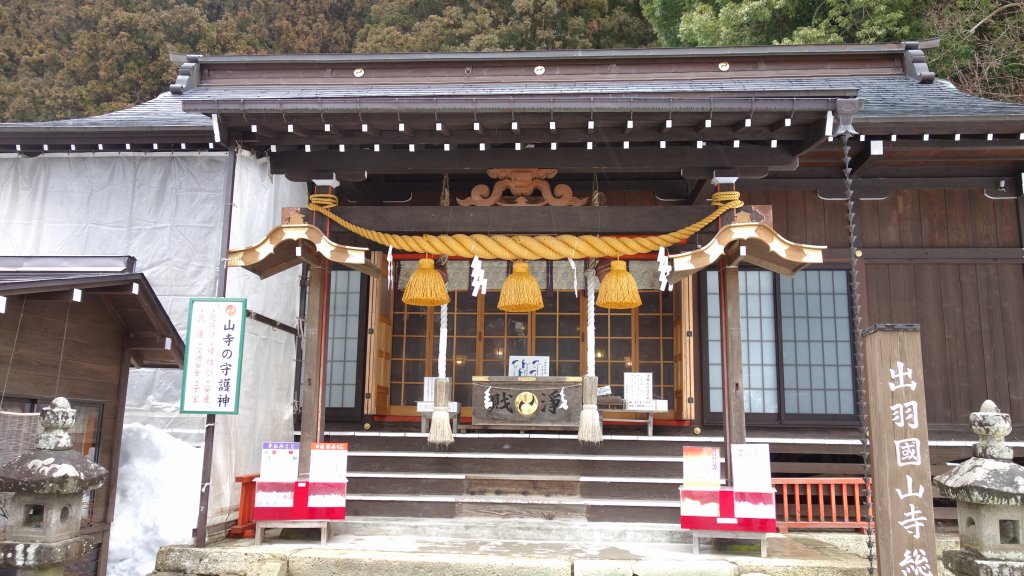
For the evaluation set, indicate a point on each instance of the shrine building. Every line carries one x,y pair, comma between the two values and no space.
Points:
777,198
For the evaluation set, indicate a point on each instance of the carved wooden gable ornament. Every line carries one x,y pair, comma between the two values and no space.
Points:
521,183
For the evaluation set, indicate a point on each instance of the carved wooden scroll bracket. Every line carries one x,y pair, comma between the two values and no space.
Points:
521,183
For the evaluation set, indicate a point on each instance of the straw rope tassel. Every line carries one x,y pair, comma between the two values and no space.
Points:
440,426
590,419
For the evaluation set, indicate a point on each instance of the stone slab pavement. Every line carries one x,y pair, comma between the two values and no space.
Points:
400,555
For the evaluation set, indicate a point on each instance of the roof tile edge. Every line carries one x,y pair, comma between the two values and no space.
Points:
915,61
188,75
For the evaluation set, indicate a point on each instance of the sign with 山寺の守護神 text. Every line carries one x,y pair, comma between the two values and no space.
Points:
213,356
901,467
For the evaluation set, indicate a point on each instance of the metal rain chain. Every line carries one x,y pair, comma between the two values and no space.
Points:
846,132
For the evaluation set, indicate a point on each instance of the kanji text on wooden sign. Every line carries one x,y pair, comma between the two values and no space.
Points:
899,451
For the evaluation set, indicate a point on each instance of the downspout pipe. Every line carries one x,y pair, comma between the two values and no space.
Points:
211,419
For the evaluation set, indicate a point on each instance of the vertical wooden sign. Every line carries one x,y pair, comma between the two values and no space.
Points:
901,469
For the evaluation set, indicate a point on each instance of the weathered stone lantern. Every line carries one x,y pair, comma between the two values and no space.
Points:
989,490
44,515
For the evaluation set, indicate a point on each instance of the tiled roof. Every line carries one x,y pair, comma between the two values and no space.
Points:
884,96
161,113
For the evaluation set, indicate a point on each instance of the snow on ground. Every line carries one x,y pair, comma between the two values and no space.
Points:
157,498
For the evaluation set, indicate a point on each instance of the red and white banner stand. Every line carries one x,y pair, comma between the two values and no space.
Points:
284,501
745,510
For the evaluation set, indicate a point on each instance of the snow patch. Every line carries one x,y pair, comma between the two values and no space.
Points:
157,498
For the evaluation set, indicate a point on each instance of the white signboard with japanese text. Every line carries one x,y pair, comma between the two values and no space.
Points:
211,380
328,462
638,390
279,462
752,468
528,365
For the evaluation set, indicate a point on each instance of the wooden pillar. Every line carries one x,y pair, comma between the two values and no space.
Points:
735,420
312,361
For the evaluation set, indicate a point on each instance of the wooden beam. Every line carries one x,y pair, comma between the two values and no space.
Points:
702,191
931,255
636,159
814,137
136,342
879,188
523,219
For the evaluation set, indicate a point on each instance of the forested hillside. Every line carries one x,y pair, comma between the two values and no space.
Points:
73,58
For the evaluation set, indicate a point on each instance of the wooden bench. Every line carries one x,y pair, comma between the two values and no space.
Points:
614,404
762,536
323,525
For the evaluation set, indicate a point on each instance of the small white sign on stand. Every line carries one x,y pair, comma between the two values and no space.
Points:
638,391
279,464
528,365
328,462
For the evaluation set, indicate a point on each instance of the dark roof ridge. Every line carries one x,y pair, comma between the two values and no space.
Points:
590,53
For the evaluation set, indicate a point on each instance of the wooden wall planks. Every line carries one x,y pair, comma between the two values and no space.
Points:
41,337
971,315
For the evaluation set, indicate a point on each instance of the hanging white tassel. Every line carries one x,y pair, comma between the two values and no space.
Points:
440,426
590,419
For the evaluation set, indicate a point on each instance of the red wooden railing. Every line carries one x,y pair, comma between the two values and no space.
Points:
246,526
822,503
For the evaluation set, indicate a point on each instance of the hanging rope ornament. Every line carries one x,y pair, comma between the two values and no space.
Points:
520,293
618,289
426,286
523,247
590,431
440,428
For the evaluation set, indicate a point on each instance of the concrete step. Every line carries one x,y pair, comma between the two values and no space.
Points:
526,529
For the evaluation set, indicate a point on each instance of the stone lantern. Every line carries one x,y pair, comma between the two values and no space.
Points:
989,490
45,513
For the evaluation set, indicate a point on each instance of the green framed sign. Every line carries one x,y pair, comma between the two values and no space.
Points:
214,342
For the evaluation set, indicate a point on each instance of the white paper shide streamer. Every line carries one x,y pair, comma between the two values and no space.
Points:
476,276
575,290
664,269
391,269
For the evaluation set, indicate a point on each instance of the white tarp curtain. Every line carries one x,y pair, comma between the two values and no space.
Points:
166,210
